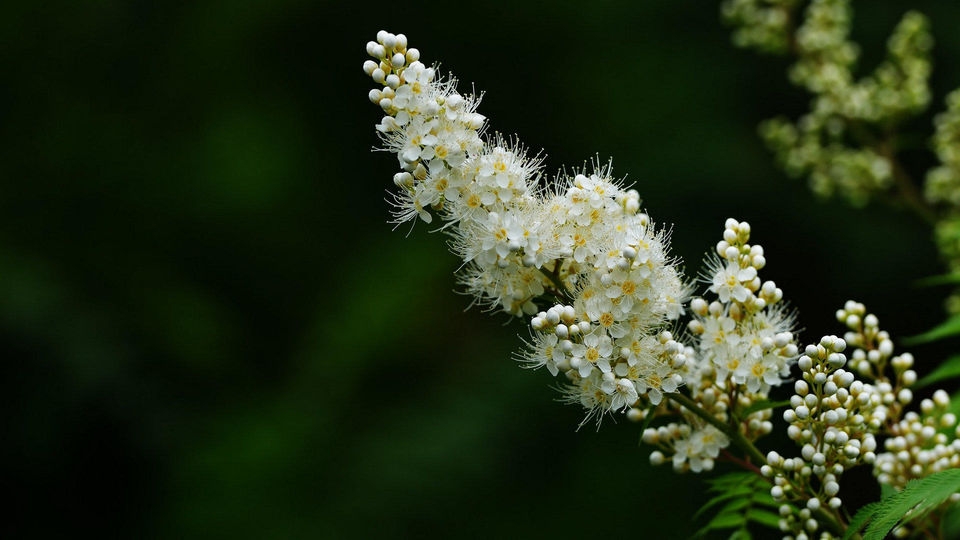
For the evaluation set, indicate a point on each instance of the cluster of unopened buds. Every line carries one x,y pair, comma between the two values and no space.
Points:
830,417
921,443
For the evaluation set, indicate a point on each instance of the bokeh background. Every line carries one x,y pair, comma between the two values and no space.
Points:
209,330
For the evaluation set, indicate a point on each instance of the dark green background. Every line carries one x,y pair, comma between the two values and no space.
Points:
209,330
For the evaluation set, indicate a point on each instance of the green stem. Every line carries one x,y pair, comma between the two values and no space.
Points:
732,433
554,277
829,521
907,189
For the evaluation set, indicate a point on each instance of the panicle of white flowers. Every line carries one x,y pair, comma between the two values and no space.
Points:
943,187
763,25
582,245
743,346
604,296
844,108
745,334
609,341
943,182
429,126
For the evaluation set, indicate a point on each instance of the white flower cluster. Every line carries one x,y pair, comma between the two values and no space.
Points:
873,356
760,24
897,86
836,418
582,260
922,443
744,345
486,190
609,341
844,108
918,443
584,244
745,335
943,187
943,182
831,418
692,446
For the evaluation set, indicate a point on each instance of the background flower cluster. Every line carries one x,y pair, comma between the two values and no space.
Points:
206,322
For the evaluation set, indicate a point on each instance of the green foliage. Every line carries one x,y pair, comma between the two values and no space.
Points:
743,498
944,279
950,523
949,369
762,406
918,499
948,328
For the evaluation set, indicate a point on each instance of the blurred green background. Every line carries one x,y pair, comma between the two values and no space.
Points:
209,330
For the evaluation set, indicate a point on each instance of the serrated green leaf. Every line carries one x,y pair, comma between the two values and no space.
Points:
859,521
727,521
763,497
723,497
763,517
735,505
723,521
763,405
950,327
886,490
917,499
730,479
744,497
947,370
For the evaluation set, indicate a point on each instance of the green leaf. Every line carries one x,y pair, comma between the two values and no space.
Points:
951,522
943,279
743,498
741,534
762,405
950,327
734,479
860,520
917,499
955,404
742,494
947,370
764,517
764,498
723,521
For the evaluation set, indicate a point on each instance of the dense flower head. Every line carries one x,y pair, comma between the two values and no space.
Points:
742,345
582,240
746,332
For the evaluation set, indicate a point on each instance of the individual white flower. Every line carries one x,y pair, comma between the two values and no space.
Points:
545,351
728,282
624,394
